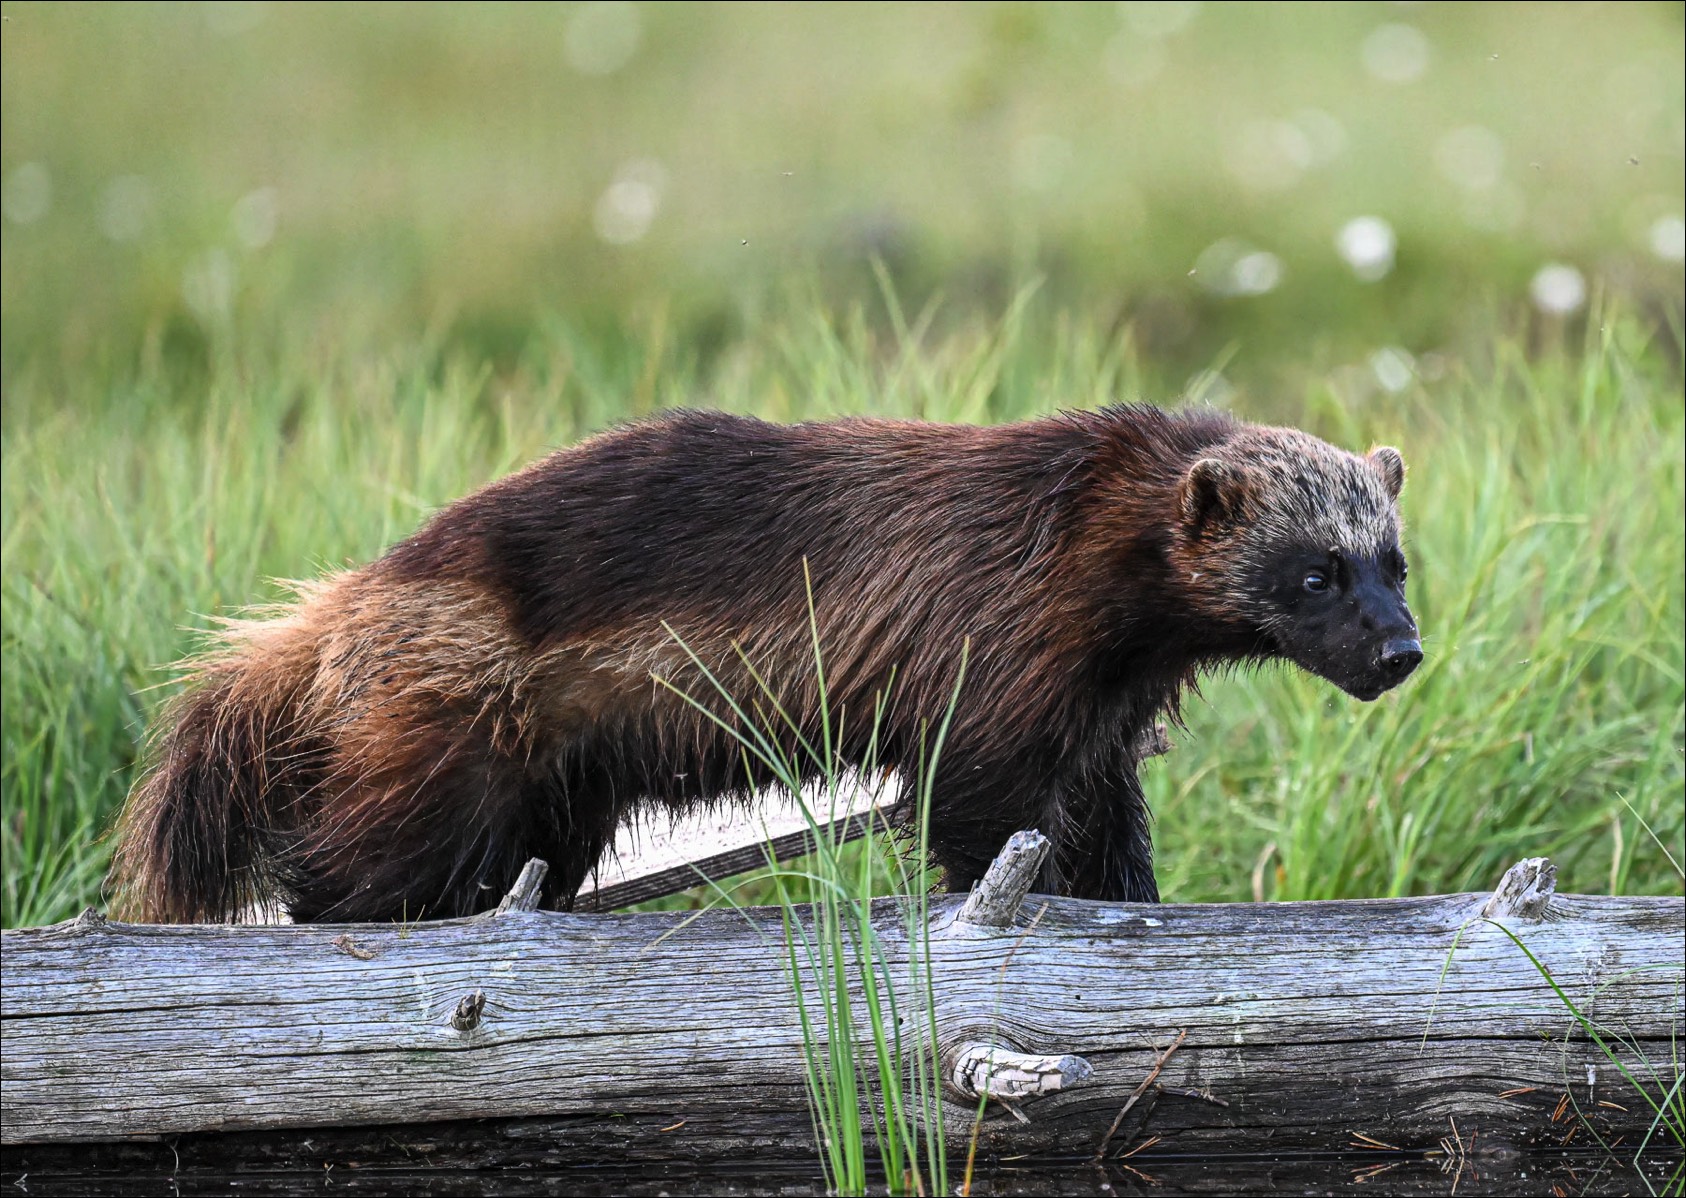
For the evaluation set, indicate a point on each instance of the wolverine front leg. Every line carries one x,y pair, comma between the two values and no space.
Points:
976,804
1095,817
1104,849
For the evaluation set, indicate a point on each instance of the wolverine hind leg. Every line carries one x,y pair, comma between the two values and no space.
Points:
431,826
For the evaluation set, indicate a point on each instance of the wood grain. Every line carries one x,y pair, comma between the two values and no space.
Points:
1314,1022
664,856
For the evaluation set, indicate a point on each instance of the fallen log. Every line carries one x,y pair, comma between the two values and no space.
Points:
660,856
664,856
1396,1025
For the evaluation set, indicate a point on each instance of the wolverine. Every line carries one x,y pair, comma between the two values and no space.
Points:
535,666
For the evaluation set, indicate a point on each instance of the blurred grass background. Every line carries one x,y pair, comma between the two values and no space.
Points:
278,280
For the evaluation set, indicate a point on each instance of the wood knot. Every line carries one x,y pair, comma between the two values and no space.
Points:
351,948
985,1070
89,921
467,1015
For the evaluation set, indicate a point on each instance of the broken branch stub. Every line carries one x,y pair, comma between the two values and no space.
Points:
528,888
995,902
1524,892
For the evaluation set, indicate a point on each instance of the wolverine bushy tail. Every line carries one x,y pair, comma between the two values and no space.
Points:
204,834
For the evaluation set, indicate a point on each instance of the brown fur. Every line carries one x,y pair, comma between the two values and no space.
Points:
504,684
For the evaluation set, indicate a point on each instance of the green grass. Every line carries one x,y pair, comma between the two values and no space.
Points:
871,1053
1548,590
435,171
963,212
1659,1085
1544,521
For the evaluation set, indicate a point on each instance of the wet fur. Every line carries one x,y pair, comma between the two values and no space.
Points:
405,736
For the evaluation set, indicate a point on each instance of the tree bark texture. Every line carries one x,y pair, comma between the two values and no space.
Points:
1326,1026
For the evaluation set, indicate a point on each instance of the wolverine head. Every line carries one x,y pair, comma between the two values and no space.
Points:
1299,542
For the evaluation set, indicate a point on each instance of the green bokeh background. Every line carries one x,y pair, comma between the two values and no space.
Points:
437,167
280,279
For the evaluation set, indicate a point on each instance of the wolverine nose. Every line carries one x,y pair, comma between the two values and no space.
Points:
1400,657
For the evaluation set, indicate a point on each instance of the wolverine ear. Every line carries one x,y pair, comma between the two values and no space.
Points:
1388,464
1212,494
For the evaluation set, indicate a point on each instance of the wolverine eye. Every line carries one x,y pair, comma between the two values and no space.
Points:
1400,568
1316,582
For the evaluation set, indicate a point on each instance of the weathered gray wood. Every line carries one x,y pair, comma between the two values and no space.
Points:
1321,1025
661,857
983,1070
528,889
1524,893
999,894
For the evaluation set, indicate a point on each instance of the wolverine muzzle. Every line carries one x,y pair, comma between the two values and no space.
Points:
1399,653
1399,657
